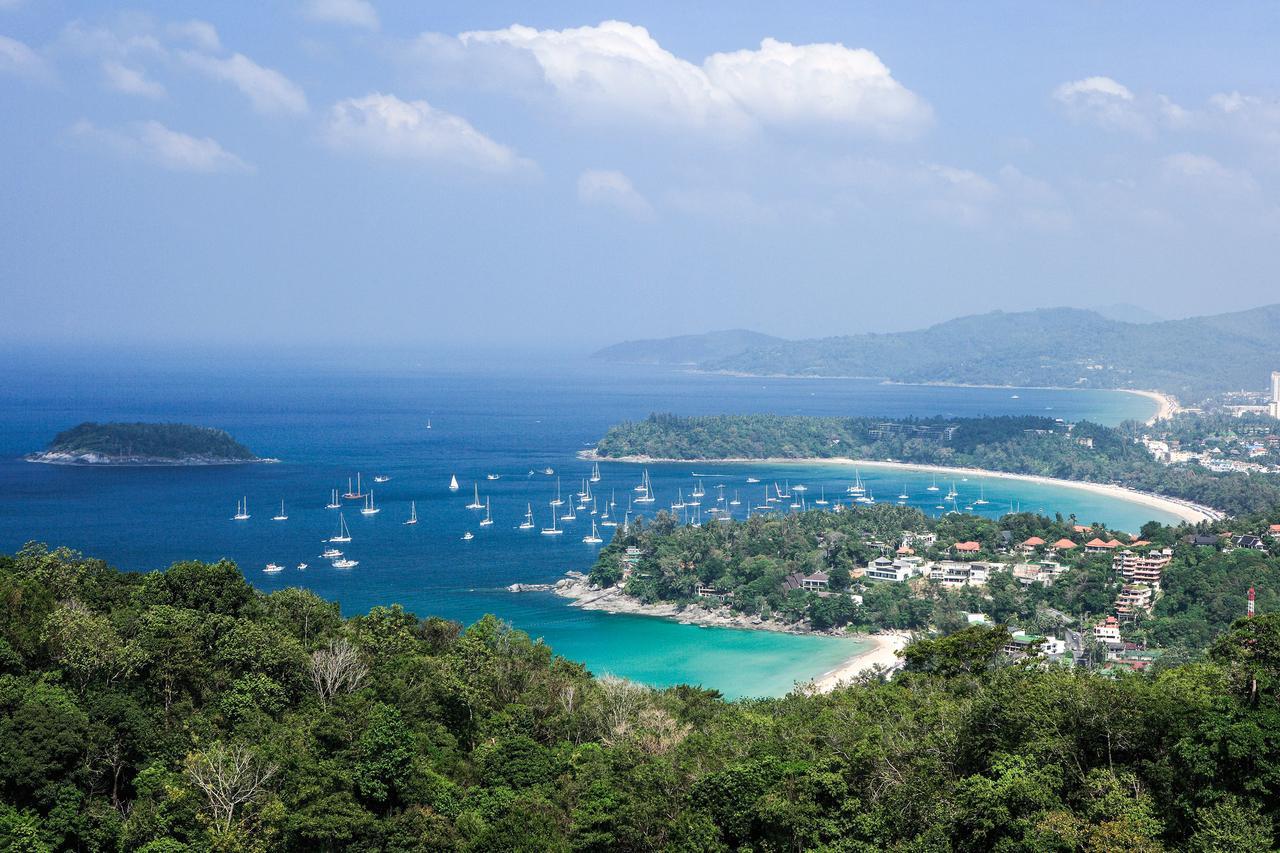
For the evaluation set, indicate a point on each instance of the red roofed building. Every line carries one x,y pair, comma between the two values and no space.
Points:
967,547
1063,545
1080,528
1097,546
1274,530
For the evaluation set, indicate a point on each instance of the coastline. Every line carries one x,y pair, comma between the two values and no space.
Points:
1181,509
97,460
882,652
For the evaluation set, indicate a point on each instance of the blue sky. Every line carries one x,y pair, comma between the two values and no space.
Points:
350,172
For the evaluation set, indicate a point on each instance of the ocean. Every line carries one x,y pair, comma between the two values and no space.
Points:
327,418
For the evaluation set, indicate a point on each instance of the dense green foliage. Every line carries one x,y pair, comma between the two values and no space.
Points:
1068,347
1021,445
183,711
747,561
151,441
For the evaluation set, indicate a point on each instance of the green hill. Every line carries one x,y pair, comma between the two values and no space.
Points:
688,349
1192,358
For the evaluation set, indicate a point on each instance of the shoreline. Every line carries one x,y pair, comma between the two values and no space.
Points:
882,653
1182,509
1166,404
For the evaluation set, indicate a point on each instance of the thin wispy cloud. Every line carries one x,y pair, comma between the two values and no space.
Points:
387,127
130,81
153,143
19,60
269,91
351,13
611,188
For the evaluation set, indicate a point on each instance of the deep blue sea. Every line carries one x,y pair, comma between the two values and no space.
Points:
327,419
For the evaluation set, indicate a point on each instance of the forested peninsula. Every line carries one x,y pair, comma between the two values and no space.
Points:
143,444
1083,451
182,710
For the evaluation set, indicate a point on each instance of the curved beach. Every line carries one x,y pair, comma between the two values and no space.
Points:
1181,509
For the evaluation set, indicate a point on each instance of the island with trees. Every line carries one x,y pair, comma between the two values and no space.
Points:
182,710
144,444
1038,446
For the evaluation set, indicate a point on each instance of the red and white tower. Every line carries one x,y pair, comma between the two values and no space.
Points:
1249,615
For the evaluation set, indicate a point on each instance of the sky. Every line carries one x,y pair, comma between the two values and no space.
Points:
357,172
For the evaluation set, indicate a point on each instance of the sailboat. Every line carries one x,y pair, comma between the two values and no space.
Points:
647,497
488,517
333,503
281,516
571,515
822,499
933,487
557,500
605,520
679,504
354,494
903,495
527,524
595,472
413,513
982,496
594,538
343,534
369,508
242,510
698,491
428,423
594,510
735,501
552,530
475,501
951,495
453,483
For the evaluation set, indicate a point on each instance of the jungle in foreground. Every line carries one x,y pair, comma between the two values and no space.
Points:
183,710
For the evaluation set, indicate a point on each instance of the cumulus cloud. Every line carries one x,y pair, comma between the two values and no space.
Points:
269,91
1102,101
152,142
351,13
1204,172
385,126
609,188
130,81
18,59
618,71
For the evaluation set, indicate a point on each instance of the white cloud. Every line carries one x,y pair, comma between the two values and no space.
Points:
18,59
1204,172
386,126
268,90
130,81
353,13
617,71
200,34
609,188
154,143
783,83
1102,101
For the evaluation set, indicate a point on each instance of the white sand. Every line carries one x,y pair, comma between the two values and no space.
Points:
883,653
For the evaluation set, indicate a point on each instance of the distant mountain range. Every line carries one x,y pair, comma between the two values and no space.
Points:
1192,358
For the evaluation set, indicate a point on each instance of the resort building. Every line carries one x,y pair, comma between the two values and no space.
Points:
1044,572
1107,631
966,547
1133,597
1031,544
884,569
1142,568
1097,546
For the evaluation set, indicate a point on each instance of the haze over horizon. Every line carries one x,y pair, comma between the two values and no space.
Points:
347,172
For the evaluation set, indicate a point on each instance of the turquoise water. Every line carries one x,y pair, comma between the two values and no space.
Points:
327,420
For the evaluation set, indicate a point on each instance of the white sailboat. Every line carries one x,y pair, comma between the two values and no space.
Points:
428,423
453,483
369,508
475,501
488,517
982,496
735,501
557,500
527,524
571,515
333,503
343,534
933,487
413,513
353,494
594,538
552,530
242,510
281,516
647,497
903,496
822,499
698,491
595,472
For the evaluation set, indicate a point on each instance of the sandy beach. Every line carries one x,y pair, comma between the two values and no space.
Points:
1184,510
882,653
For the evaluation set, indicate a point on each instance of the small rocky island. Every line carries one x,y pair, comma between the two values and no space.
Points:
144,444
